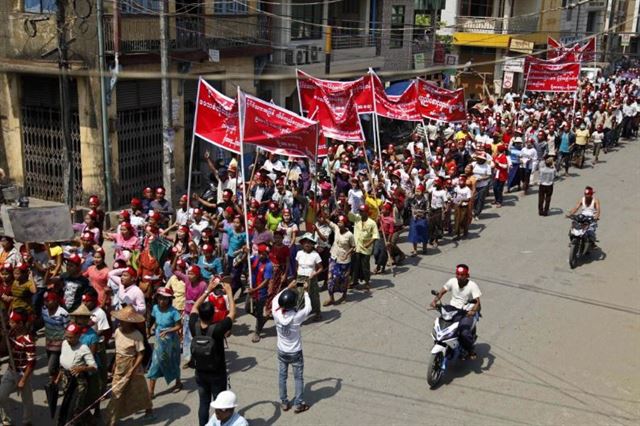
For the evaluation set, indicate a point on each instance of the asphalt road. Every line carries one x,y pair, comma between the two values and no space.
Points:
556,346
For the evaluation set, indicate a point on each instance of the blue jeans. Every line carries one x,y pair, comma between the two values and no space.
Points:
297,362
209,386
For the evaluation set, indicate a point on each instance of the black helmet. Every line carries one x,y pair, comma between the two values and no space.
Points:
288,299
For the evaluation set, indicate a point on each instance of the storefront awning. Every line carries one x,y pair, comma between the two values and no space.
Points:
496,41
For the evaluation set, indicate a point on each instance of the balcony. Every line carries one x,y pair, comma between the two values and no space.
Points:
491,25
236,35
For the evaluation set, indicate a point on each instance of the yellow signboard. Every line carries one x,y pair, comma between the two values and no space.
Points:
497,41
522,46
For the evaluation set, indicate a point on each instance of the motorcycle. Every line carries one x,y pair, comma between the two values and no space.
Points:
446,345
580,240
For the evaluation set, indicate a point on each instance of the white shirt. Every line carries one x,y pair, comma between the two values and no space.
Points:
481,171
99,319
79,355
460,297
288,324
197,228
182,216
307,262
461,194
438,198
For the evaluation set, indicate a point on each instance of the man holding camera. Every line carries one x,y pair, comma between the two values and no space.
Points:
288,321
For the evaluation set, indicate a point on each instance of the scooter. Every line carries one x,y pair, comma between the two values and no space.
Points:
446,345
581,243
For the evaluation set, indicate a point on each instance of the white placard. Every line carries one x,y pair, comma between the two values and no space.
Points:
214,55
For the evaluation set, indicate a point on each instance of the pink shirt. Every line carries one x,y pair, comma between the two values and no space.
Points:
191,292
130,244
98,279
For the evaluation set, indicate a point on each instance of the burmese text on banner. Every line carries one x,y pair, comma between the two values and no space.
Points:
402,107
437,103
553,77
216,118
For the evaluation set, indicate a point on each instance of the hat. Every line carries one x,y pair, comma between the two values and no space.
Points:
50,296
165,292
87,236
207,248
125,214
363,209
6,266
74,258
588,191
128,314
263,248
224,401
94,200
325,186
136,202
160,190
194,269
22,266
74,329
89,297
17,316
309,237
82,311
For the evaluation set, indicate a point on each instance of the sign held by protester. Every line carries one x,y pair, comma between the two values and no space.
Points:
437,103
553,77
47,224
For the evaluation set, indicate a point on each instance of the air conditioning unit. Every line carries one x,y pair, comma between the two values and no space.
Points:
290,57
302,55
314,54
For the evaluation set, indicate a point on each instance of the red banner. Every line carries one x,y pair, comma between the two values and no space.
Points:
584,53
337,92
437,103
276,129
553,77
565,58
335,110
216,118
401,107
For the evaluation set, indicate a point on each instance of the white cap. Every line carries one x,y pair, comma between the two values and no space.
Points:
224,401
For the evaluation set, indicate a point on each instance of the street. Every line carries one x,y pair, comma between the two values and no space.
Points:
555,345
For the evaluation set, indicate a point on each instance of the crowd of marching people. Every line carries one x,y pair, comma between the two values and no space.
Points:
165,302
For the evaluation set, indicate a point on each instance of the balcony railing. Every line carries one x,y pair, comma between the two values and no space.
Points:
491,25
141,33
354,40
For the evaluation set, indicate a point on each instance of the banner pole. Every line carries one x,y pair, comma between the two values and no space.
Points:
193,140
376,124
241,119
315,175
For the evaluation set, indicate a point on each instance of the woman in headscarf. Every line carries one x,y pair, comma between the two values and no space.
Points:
77,364
129,391
165,361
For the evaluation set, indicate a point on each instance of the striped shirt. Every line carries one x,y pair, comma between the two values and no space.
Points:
24,351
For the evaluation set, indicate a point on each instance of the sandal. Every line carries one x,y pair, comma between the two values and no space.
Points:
301,408
255,338
285,406
342,299
328,302
178,387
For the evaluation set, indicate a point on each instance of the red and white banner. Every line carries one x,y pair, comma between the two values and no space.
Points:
402,107
216,118
584,53
437,103
335,110
552,77
568,57
337,91
554,48
276,129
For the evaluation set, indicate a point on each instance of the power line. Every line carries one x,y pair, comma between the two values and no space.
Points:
148,75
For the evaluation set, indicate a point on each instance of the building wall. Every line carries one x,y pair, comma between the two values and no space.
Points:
551,22
397,58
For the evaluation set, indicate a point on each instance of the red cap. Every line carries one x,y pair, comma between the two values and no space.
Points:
181,263
131,272
88,298
183,228
87,236
94,200
15,317
93,214
74,258
74,329
136,202
364,208
126,225
184,197
263,248
6,267
195,269
50,296
197,211
420,188
588,191
165,292
147,190
229,210
160,190
124,214
207,248
154,215
255,203
462,270
22,266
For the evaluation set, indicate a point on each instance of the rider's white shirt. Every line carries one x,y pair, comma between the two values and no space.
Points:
460,297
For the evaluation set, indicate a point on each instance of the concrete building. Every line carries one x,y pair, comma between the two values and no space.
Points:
378,34
212,37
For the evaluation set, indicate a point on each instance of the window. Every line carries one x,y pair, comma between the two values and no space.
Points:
140,6
230,7
591,21
397,27
476,8
40,6
305,20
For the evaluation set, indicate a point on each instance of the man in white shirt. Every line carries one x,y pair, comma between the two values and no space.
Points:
461,198
482,172
465,296
288,322
629,111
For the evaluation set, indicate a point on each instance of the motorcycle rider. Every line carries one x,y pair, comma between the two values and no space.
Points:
589,206
465,296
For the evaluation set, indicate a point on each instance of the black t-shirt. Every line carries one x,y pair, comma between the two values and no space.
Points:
219,330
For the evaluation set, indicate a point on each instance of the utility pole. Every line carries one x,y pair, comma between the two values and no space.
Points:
613,17
103,106
65,107
167,128
327,49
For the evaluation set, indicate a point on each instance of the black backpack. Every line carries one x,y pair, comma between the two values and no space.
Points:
203,349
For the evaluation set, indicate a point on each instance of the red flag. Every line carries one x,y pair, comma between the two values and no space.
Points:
216,118
554,48
565,58
588,51
437,103
401,107
276,129
335,110
553,77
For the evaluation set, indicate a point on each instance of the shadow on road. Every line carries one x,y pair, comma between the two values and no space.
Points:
314,393
236,363
482,363
165,415
246,413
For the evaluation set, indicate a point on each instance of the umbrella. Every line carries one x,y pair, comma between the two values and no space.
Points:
51,390
159,248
